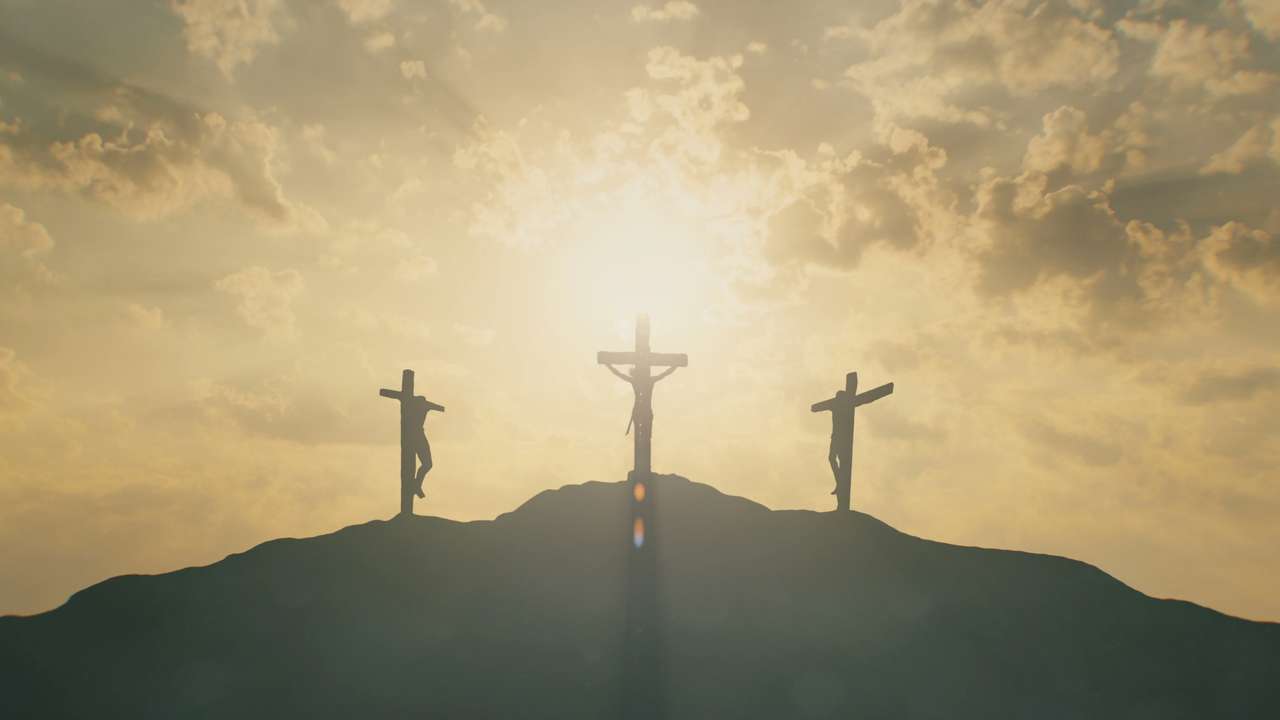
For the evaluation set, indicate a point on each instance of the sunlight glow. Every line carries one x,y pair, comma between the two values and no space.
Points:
646,248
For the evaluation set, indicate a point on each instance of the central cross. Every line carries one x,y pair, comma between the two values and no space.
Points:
642,658
642,360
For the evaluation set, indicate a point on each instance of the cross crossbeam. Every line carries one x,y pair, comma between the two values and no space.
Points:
652,359
859,400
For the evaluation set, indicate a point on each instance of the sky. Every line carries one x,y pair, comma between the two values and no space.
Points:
225,224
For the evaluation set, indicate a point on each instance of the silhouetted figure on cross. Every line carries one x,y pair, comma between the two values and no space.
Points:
642,361
414,447
417,410
840,454
642,410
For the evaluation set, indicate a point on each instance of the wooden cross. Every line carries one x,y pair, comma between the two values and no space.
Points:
841,453
642,360
413,439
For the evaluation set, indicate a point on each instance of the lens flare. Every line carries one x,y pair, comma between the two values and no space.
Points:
638,491
637,533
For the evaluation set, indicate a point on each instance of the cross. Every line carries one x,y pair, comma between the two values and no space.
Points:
642,360
413,439
642,658
841,453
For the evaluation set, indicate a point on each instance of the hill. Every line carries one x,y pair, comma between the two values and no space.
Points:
758,613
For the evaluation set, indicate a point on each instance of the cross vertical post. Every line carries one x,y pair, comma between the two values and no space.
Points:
842,420
407,461
406,446
644,404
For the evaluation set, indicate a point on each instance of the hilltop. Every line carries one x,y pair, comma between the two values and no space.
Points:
763,614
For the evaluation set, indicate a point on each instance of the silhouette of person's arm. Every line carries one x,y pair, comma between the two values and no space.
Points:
617,372
664,373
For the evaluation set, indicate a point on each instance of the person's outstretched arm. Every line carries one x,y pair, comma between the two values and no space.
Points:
615,371
664,373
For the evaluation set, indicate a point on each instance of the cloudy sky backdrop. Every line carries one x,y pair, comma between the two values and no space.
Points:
224,224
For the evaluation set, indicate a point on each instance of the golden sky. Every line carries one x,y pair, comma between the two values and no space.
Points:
224,224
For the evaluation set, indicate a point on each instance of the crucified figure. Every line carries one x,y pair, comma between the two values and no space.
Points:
642,385
838,429
417,411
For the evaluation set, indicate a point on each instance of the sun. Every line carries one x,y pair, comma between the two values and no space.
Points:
658,243
645,259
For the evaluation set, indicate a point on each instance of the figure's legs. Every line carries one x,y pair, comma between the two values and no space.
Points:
833,459
423,451
843,482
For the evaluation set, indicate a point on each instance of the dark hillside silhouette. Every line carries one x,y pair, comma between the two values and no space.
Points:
770,614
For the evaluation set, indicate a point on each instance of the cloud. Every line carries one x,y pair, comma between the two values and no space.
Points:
1246,259
377,42
411,69
158,164
929,57
1075,444
20,236
667,149
22,244
698,96
1257,143
843,206
145,317
1065,143
315,136
1193,57
1233,385
474,336
228,32
415,269
1067,150
283,407
11,371
485,20
264,299
360,12
1037,234
1264,15
675,10
1127,275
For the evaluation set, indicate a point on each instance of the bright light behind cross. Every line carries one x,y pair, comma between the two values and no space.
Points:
648,257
